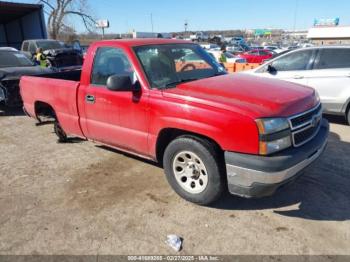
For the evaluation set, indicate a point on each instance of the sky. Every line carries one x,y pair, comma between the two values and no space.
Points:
170,15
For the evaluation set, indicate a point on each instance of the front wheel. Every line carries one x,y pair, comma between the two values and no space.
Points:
193,169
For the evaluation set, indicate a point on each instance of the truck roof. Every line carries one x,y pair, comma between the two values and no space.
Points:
143,41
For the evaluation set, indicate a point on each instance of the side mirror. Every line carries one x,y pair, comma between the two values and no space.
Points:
120,83
271,69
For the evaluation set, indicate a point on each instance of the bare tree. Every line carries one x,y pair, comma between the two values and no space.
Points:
60,10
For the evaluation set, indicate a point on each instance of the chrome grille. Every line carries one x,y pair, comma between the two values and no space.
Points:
306,125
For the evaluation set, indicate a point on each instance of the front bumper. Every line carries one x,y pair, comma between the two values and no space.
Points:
258,176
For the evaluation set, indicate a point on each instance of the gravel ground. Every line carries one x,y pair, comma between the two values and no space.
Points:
81,198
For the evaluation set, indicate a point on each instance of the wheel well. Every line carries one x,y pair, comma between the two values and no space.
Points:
169,134
347,108
44,109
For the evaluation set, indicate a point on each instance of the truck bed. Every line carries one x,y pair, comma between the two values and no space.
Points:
59,90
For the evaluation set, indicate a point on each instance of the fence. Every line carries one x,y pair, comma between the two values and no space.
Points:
237,67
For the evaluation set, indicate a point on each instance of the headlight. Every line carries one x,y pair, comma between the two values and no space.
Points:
317,95
271,125
274,135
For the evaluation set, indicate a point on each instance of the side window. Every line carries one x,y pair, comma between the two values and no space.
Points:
294,61
32,48
109,61
333,58
25,46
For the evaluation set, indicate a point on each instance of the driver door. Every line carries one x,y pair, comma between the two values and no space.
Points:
116,118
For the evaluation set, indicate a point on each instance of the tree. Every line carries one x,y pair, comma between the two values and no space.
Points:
59,11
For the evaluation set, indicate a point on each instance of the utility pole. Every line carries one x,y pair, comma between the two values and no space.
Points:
152,21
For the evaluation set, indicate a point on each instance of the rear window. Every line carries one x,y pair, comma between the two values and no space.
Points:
46,45
25,46
333,58
13,59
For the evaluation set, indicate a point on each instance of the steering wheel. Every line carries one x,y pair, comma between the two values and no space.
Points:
188,66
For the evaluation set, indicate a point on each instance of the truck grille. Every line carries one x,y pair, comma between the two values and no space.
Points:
306,125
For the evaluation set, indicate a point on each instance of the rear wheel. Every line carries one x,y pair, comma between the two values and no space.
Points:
62,136
193,169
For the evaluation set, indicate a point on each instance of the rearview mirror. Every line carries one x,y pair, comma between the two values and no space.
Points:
120,83
271,69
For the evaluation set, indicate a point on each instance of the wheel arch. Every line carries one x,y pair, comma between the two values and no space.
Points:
44,109
166,135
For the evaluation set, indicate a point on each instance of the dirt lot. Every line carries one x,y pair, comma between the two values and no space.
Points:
80,198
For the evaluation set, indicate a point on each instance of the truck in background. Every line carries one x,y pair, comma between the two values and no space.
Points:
199,37
19,22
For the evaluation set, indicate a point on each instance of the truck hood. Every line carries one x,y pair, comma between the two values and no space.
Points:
249,95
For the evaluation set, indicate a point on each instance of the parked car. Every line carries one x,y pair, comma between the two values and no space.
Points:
238,40
279,51
210,46
210,130
326,69
199,37
271,47
7,48
230,58
235,49
238,48
58,55
13,65
256,56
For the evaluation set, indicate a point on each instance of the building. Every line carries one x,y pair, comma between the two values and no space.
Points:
20,22
329,35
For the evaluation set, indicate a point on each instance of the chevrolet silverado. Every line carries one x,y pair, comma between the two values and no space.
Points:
211,131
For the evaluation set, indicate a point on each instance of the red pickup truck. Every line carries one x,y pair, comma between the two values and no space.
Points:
211,131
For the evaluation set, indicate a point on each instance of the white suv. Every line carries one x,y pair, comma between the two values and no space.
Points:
326,69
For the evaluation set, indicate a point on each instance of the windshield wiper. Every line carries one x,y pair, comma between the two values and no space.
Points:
219,74
175,83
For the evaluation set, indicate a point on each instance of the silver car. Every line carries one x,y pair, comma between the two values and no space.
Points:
325,68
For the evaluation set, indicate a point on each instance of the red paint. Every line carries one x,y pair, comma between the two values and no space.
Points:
253,56
223,108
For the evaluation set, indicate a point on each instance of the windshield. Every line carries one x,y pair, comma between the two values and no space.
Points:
170,64
13,59
46,45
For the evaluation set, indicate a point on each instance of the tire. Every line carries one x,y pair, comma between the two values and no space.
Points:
193,169
62,136
348,116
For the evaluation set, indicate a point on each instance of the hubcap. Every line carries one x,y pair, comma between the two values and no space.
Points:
190,172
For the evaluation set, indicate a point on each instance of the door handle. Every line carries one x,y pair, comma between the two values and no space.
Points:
298,77
90,99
